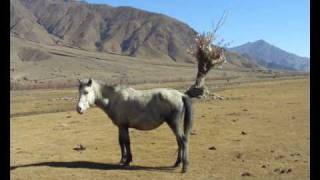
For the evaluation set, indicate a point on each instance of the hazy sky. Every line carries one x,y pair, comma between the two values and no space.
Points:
283,23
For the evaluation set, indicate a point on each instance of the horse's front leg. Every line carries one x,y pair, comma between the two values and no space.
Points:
122,147
124,133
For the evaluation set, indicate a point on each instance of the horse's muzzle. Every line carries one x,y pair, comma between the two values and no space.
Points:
79,110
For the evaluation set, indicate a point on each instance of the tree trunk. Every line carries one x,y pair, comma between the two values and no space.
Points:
200,80
198,89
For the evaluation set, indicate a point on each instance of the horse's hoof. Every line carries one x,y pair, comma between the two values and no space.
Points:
127,163
121,162
124,164
184,169
176,165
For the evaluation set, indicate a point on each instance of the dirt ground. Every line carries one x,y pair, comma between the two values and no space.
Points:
259,131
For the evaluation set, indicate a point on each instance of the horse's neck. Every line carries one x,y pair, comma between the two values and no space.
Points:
106,99
102,100
104,92
102,103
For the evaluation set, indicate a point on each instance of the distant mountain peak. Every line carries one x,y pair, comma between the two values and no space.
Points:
273,57
261,41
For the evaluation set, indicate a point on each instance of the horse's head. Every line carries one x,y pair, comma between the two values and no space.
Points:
87,95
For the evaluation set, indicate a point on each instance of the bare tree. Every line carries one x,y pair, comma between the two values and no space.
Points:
208,56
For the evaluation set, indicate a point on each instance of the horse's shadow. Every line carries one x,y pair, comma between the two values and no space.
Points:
95,165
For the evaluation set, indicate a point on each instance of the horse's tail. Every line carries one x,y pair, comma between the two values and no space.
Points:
188,116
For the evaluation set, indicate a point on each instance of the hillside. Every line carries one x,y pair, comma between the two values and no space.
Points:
39,66
24,24
54,42
272,57
102,28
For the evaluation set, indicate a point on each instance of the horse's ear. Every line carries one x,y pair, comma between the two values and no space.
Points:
90,82
79,81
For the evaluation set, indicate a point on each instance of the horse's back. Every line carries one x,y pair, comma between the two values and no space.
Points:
149,106
162,95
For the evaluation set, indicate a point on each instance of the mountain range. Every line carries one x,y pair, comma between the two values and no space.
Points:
272,57
60,39
102,28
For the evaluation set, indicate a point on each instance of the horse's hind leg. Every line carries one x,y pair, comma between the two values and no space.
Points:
122,147
178,161
183,147
181,141
125,138
185,162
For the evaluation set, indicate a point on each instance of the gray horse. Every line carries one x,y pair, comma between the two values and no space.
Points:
140,109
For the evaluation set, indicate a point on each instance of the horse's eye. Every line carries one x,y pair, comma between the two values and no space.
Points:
85,92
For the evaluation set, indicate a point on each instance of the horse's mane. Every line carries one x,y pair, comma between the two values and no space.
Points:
111,86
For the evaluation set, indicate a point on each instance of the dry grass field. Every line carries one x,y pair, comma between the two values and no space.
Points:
259,131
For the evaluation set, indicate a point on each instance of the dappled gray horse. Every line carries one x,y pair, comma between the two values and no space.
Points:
140,109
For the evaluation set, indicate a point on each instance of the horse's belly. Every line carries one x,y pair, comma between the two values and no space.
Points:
145,124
